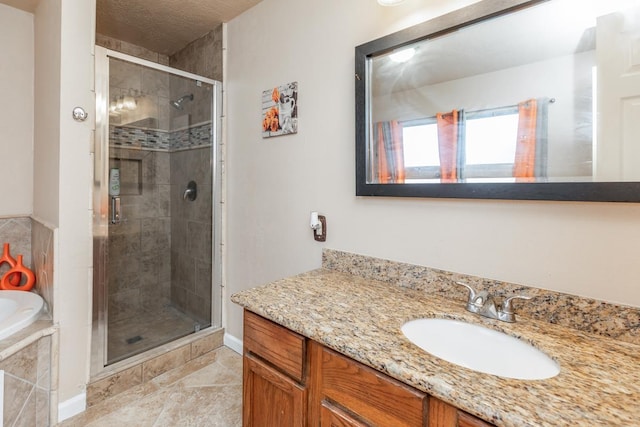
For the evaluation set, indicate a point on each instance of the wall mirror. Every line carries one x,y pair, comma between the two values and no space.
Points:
511,99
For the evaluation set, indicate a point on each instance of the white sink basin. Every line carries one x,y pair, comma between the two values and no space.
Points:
480,349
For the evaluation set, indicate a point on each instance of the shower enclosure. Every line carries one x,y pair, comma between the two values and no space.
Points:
156,219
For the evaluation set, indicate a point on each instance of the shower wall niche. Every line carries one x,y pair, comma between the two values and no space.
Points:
159,252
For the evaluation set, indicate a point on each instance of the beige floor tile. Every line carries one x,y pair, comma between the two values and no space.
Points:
203,406
212,376
187,369
205,392
230,359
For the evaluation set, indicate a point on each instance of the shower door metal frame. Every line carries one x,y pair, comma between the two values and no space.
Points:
101,202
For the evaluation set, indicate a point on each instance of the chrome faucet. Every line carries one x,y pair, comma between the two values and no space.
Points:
482,303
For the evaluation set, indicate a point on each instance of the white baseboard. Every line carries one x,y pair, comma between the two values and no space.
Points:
1,398
71,407
233,343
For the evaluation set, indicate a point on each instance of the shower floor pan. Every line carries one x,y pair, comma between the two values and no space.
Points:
148,330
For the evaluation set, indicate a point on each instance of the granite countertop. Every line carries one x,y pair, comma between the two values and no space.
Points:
598,385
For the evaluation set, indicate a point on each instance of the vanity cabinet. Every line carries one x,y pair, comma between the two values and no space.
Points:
290,380
274,391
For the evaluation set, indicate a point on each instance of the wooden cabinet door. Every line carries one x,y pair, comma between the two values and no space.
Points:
270,398
332,416
442,414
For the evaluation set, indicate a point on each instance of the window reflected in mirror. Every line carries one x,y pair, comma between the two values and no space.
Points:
485,150
547,93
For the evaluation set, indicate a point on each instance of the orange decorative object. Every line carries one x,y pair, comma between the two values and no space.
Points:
7,258
15,275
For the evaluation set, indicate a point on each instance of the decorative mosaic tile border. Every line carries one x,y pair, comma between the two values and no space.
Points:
196,136
584,314
139,138
154,139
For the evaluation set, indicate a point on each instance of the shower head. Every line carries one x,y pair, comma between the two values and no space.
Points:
178,103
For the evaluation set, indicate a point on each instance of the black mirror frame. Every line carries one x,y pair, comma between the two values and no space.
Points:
559,191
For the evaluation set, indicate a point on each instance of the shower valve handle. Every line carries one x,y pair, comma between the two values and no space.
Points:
191,192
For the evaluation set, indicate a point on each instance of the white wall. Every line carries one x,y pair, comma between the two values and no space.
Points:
46,69
46,158
74,278
62,196
588,249
16,111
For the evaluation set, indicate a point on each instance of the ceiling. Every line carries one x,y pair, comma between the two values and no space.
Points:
163,26
27,5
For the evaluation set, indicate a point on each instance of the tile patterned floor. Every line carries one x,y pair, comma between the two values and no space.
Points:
205,392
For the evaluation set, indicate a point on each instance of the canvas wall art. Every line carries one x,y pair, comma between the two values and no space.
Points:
280,110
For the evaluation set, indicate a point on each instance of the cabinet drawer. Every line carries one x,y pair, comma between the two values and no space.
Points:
275,344
370,394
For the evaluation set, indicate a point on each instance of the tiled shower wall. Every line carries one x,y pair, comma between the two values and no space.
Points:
191,239
202,56
191,245
174,266
139,268
150,89
161,251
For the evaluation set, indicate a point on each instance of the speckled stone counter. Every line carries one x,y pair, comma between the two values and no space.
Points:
599,382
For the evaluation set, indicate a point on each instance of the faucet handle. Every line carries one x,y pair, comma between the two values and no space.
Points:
477,300
506,304
480,302
506,312
472,292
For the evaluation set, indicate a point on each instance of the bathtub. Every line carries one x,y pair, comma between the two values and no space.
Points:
18,309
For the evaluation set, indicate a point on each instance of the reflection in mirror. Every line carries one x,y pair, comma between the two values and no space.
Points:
547,93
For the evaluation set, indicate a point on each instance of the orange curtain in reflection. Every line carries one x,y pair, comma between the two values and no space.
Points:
524,165
390,152
448,136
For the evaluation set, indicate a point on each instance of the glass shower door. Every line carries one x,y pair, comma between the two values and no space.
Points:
157,253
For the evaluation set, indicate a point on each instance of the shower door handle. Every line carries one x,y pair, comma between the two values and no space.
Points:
115,210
